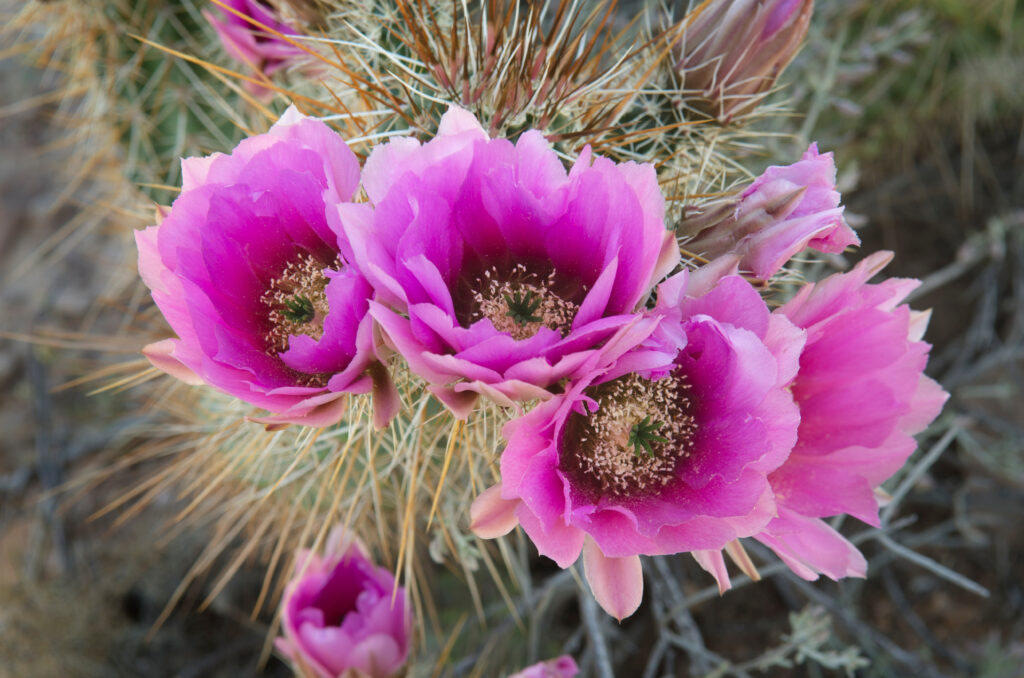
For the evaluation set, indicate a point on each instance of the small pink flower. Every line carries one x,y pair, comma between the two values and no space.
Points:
249,271
341,617
862,396
562,667
665,448
248,43
496,272
784,211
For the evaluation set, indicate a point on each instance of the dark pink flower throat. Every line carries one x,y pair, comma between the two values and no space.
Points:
520,301
297,304
632,444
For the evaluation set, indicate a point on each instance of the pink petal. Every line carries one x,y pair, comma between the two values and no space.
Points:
386,401
509,393
672,291
300,660
458,120
161,355
376,655
617,583
460,404
490,516
738,555
559,542
925,405
386,164
704,278
596,301
918,324
194,170
322,415
340,163
786,342
713,563
809,546
668,257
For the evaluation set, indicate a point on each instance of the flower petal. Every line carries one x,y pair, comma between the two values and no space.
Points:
161,355
713,563
492,516
617,583
324,414
809,546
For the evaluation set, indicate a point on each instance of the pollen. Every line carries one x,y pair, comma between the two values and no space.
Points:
633,442
521,302
296,302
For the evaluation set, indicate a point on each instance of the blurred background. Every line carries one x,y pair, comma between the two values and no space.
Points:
923,104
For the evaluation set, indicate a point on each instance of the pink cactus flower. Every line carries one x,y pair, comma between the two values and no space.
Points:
784,211
663,449
862,396
341,616
249,271
562,667
248,43
496,272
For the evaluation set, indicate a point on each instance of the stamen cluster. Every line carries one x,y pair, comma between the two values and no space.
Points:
522,302
297,301
641,430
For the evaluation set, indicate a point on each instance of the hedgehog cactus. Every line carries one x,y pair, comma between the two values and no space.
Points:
508,274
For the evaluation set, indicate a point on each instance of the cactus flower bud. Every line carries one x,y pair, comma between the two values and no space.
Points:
733,51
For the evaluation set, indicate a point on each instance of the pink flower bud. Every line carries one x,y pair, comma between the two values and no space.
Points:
784,211
248,43
343,616
733,51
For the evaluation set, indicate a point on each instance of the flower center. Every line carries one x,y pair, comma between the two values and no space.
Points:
521,302
297,302
633,443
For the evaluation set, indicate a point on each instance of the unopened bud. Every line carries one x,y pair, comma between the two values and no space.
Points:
784,211
733,52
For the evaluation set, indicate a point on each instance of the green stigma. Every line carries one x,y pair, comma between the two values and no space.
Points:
643,434
299,309
522,306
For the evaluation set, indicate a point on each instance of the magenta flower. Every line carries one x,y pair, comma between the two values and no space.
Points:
561,667
665,448
862,395
496,272
783,212
248,43
252,276
341,617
